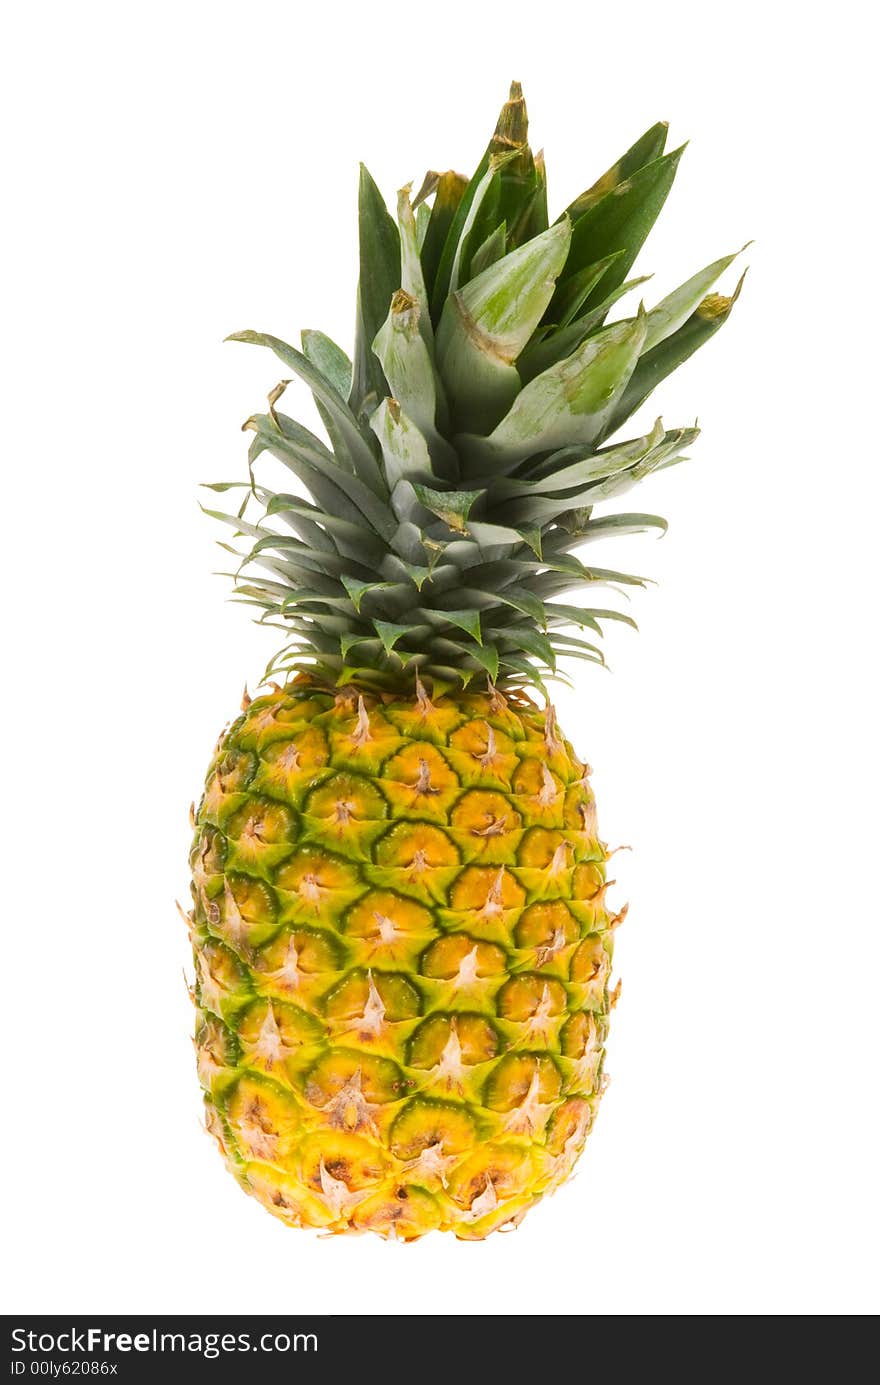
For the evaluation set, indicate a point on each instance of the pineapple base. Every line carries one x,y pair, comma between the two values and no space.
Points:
402,953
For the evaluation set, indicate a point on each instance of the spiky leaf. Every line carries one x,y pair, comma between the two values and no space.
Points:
379,278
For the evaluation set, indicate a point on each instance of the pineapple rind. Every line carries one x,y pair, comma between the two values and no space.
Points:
402,951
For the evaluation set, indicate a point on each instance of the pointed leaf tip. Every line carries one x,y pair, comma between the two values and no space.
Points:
512,129
675,309
718,305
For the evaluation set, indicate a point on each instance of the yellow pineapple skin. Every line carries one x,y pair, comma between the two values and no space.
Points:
402,952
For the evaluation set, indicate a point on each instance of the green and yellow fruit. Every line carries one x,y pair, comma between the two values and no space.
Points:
400,928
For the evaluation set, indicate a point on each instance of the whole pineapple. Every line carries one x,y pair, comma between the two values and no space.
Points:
400,927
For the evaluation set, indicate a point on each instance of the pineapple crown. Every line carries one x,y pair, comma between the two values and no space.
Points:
468,439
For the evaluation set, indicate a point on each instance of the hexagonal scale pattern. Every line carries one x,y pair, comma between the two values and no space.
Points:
402,952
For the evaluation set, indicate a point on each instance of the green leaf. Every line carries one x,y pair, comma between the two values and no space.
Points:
491,250
456,228
667,454
569,403
505,303
497,574
329,359
621,220
619,524
314,598
453,507
486,324
541,510
333,488
294,550
412,280
523,193
409,541
572,467
487,655
571,615
612,615
379,279
489,183
358,447
423,216
357,590
305,524
655,365
413,514
532,641
588,658
406,572
389,632
563,341
564,643
448,190
408,507
645,150
531,218
492,535
606,474
442,679
323,622
512,598
571,294
521,599
348,642
358,541
277,590
509,141
488,218
469,621
601,575
479,385
674,310
409,370
462,553
531,677
404,449
236,522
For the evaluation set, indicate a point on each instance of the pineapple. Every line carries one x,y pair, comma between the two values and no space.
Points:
400,922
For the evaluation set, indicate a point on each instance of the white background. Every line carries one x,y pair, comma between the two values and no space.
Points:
178,171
